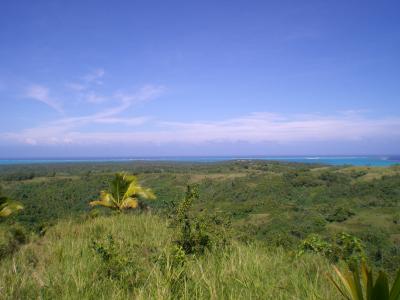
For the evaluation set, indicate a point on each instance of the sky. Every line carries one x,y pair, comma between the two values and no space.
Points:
171,78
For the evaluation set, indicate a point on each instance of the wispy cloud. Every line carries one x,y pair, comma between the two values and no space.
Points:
265,127
253,128
86,90
63,130
145,93
114,123
87,85
41,93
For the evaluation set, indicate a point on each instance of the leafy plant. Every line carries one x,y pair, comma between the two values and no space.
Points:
124,193
194,237
356,286
340,214
115,263
314,243
349,248
344,247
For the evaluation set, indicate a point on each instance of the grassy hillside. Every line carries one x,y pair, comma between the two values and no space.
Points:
68,263
259,215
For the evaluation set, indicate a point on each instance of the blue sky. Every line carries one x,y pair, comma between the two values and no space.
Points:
118,78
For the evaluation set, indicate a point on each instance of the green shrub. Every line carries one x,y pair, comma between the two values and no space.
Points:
343,246
358,173
340,214
316,244
193,236
117,264
349,248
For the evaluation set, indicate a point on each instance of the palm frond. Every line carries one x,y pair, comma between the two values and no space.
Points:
106,200
129,203
136,190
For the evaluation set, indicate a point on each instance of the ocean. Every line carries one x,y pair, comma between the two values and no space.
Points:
383,160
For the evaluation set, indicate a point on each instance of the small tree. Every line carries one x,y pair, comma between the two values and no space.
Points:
124,193
193,236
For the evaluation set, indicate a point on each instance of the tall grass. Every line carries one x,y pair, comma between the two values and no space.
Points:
132,256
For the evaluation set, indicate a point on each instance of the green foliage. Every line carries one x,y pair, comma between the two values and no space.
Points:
349,248
193,237
302,178
343,247
340,214
314,243
19,176
358,285
331,178
358,173
115,264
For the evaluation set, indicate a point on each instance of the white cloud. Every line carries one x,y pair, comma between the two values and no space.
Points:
253,128
88,82
41,94
66,129
145,93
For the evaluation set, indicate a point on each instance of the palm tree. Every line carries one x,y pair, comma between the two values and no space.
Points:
8,206
124,193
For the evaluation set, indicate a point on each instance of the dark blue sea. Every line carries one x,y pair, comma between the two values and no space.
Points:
382,160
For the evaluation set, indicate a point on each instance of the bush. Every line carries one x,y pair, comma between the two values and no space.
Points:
340,214
198,232
117,265
314,243
343,247
358,173
193,236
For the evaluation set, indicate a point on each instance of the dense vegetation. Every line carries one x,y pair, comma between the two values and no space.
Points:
251,210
